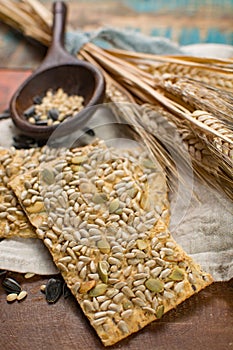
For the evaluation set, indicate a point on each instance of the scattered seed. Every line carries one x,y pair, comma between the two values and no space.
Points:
29,275
42,288
10,285
22,295
11,297
53,290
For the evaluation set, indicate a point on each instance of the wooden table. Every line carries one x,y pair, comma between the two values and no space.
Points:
205,321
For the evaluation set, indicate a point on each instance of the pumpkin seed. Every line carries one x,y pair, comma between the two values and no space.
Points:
147,163
48,176
132,192
103,271
154,285
98,290
103,246
177,274
160,311
99,198
114,205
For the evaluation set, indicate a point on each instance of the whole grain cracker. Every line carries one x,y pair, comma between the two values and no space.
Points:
13,221
125,271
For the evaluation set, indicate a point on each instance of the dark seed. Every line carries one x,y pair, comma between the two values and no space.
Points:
41,122
66,291
37,100
36,117
3,272
23,139
53,290
5,115
194,287
88,131
19,145
10,285
53,113
29,112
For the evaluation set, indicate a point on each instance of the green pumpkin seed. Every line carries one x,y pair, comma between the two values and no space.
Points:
103,246
177,274
154,285
114,205
103,271
160,311
98,290
48,176
99,198
127,304
147,163
119,211
132,192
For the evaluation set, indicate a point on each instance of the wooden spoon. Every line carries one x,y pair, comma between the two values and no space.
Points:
59,69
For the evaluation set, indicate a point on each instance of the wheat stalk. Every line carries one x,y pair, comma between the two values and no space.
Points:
143,79
200,96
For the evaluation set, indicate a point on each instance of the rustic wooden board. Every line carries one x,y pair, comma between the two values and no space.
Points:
203,322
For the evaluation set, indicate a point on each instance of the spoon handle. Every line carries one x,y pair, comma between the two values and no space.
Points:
59,22
56,54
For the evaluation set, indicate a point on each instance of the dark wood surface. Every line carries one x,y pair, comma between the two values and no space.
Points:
203,322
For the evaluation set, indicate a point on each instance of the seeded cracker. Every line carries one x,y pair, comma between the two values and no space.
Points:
100,220
13,221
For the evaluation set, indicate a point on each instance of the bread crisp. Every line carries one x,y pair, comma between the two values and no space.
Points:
13,221
104,218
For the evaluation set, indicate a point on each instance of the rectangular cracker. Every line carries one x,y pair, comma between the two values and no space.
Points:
13,221
100,220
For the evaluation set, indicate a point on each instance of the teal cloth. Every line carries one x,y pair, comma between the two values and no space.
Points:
122,39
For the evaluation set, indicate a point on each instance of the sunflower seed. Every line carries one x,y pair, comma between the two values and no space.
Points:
10,285
53,290
11,297
22,295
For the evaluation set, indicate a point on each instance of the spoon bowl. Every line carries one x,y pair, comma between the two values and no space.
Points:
59,69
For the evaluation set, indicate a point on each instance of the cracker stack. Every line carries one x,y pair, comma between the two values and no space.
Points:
103,216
